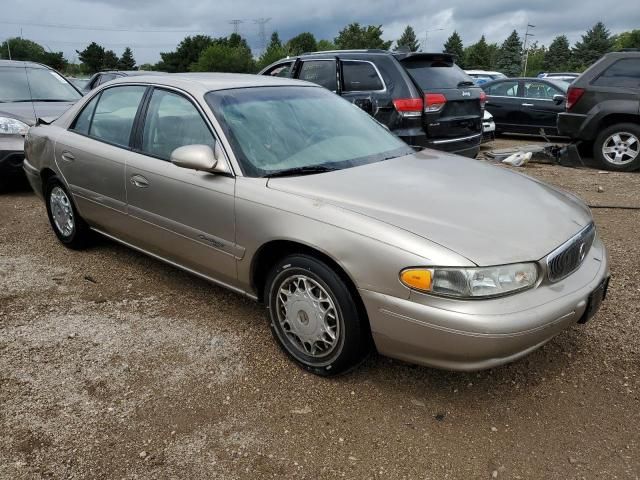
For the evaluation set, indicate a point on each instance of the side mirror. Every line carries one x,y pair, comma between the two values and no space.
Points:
199,157
558,99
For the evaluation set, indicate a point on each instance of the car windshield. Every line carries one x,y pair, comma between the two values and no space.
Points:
435,72
299,129
35,84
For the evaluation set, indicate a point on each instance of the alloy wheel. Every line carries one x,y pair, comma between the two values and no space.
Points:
621,148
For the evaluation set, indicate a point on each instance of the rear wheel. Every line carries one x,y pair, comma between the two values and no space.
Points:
65,221
618,147
314,317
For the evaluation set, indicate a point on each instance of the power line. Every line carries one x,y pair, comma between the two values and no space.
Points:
101,28
262,33
236,25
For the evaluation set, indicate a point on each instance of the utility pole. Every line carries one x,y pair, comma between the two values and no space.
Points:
526,50
262,33
236,25
426,37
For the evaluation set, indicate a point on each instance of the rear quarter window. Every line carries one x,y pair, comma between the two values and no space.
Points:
623,73
435,73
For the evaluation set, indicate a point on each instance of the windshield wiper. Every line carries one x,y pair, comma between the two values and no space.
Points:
466,83
299,171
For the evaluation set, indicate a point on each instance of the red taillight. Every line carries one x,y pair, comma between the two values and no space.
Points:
483,99
573,95
434,102
409,107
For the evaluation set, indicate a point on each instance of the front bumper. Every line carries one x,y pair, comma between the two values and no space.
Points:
571,125
478,334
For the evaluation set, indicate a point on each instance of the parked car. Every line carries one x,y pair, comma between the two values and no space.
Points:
424,98
107,75
603,111
484,76
286,193
565,76
28,91
488,127
526,105
79,83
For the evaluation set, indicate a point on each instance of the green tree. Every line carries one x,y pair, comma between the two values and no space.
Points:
408,40
595,43
493,50
274,52
92,57
355,36
558,57
535,59
324,45
147,67
110,60
230,54
302,43
630,39
509,59
28,50
478,55
188,52
127,62
454,46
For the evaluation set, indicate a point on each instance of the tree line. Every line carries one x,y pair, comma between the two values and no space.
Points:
203,53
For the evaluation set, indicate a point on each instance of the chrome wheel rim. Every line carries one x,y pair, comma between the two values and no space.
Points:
307,316
61,211
621,148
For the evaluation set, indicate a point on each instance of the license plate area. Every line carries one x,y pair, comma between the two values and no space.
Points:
594,302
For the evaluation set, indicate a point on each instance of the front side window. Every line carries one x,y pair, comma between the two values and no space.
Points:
503,89
104,78
115,114
281,70
360,76
539,90
322,72
274,129
172,121
623,73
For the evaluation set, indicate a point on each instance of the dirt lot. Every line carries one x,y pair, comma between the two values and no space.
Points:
114,365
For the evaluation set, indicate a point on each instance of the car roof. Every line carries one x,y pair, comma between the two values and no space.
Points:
133,72
205,82
21,64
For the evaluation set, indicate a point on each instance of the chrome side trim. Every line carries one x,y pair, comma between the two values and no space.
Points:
177,265
460,139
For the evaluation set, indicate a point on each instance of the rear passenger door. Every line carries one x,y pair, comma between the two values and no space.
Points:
182,215
324,72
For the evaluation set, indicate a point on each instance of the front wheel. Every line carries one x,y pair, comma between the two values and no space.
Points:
314,317
618,147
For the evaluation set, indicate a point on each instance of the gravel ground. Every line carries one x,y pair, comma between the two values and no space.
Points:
114,365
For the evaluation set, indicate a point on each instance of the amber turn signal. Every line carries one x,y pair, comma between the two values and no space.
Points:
418,279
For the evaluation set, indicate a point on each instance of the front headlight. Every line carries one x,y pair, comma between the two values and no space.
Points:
476,282
11,126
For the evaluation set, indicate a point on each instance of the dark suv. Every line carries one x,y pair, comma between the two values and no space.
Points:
424,98
603,111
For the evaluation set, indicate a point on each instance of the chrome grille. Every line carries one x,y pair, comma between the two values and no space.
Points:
566,259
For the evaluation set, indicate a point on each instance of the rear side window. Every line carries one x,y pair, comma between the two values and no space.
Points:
503,89
115,113
83,121
435,72
623,73
172,121
322,72
360,76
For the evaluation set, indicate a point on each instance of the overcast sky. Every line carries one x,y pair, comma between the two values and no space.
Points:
152,26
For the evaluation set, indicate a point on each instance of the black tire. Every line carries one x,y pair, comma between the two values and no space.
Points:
604,137
352,340
79,235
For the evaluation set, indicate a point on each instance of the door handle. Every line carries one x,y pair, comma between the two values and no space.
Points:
527,104
139,181
67,156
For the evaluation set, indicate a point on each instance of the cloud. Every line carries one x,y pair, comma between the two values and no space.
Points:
495,19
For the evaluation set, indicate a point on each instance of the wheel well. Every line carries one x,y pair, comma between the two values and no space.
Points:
45,175
618,118
271,252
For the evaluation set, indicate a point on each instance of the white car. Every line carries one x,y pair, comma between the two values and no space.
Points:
488,128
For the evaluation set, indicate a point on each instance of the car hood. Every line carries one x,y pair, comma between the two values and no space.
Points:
488,214
28,112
